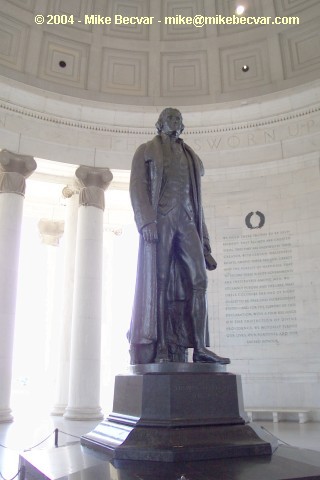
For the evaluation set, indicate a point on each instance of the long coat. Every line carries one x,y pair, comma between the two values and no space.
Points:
145,186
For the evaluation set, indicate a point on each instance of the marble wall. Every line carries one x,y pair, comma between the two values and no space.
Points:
264,298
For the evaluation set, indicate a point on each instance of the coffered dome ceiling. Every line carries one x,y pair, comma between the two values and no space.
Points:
158,64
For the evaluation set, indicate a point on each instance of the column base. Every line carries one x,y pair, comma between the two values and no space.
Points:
58,410
83,413
5,415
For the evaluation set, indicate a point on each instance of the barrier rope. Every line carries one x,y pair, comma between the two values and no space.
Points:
56,437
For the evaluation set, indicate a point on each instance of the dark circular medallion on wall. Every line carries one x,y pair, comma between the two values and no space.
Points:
257,217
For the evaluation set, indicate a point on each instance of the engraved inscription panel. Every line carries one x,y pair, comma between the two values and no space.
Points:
260,300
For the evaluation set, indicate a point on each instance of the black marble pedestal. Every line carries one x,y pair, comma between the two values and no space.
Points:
160,413
74,462
178,412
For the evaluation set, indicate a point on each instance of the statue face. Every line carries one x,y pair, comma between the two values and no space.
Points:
172,123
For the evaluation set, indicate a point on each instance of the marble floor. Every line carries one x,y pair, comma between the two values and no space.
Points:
27,431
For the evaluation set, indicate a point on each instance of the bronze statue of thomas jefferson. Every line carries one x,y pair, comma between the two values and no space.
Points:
170,309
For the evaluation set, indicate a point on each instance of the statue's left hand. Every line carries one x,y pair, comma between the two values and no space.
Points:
211,264
150,233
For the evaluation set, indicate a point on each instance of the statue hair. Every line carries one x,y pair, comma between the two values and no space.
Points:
159,124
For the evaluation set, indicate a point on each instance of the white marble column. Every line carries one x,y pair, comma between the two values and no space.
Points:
14,169
71,194
84,390
51,232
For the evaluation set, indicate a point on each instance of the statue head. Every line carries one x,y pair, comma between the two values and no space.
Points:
170,122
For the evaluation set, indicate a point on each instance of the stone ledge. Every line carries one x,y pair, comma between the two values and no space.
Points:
303,415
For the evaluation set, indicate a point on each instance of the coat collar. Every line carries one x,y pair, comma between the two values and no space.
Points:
167,139
154,149
154,152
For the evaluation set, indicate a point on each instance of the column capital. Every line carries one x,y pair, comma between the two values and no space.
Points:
50,231
14,169
69,190
94,181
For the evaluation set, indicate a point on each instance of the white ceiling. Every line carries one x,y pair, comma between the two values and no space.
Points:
159,64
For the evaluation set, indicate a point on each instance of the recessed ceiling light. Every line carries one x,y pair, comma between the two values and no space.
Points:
240,9
245,68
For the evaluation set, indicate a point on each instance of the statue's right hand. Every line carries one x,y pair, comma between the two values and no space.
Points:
150,233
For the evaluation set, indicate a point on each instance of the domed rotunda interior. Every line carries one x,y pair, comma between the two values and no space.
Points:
82,84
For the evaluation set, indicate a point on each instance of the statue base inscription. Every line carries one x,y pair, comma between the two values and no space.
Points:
178,412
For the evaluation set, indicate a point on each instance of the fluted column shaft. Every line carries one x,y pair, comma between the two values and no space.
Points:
14,169
51,232
71,220
85,359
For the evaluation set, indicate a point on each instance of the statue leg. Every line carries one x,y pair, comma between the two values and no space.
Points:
162,347
199,320
164,246
190,252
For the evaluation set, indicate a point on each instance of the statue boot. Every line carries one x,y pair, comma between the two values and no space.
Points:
201,354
